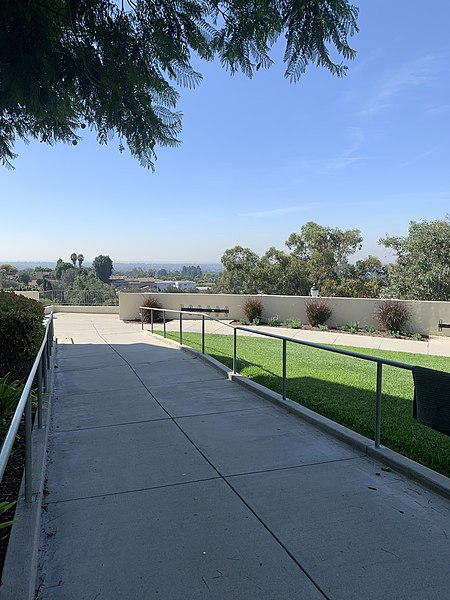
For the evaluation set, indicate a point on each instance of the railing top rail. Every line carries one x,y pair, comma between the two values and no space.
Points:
15,421
187,312
360,355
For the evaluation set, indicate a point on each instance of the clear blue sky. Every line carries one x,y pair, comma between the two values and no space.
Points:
258,158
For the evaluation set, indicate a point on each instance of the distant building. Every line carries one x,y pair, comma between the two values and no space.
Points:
181,286
123,283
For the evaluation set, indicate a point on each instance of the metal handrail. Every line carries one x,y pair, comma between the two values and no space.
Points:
378,360
40,366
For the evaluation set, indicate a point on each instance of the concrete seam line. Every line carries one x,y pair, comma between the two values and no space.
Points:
412,469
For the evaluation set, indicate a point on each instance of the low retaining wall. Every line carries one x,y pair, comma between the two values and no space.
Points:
424,315
93,310
28,294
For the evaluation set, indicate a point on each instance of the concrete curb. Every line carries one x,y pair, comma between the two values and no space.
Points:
412,469
19,570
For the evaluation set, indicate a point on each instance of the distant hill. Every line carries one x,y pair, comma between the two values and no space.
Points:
123,266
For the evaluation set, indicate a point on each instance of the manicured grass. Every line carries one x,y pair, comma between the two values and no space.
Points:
341,388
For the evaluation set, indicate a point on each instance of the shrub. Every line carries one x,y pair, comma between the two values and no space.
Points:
253,309
293,323
274,321
317,312
21,332
10,392
151,303
353,327
392,315
323,327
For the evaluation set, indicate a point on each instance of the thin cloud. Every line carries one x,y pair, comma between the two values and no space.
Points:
436,110
413,74
262,214
418,157
348,157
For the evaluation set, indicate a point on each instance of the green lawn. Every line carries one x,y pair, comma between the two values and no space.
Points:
341,388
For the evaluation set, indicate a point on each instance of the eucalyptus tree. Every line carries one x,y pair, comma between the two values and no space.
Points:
422,269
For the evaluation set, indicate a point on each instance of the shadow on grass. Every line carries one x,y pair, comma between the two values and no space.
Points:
349,405
355,408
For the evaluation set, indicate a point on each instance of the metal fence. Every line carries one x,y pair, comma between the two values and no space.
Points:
79,297
379,361
41,367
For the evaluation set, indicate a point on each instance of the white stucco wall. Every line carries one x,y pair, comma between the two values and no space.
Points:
424,315
93,310
28,294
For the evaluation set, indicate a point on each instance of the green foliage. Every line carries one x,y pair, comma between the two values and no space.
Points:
323,327
317,311
8,270
4,508
80,259
274,321
10,392
293,323
367,278
422,270
353,327
21,332
87,287
417,336
369,329
392,315
318,254
280,273
65,65
239,274
103,267
191,272
61,267
324,252
151,303
253,308
73,258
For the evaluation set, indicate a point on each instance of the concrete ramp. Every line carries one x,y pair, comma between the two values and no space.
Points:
167,481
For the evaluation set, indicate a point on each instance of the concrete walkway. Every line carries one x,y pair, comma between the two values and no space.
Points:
434,345
165,480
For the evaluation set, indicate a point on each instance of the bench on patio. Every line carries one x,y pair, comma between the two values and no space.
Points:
442,325
224,311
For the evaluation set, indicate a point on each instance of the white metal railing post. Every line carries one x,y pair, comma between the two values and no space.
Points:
235,350
283,385
378,405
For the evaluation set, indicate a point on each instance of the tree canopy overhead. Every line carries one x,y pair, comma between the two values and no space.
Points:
113,65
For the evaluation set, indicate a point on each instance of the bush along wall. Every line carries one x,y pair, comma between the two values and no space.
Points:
21,333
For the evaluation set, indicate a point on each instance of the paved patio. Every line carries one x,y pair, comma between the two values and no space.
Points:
166,480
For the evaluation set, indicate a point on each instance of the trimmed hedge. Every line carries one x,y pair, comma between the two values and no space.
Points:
21,332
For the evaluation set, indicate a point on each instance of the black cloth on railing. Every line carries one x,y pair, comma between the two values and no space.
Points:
432,398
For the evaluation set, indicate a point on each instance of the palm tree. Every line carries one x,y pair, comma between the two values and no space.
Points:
73,258
80,260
